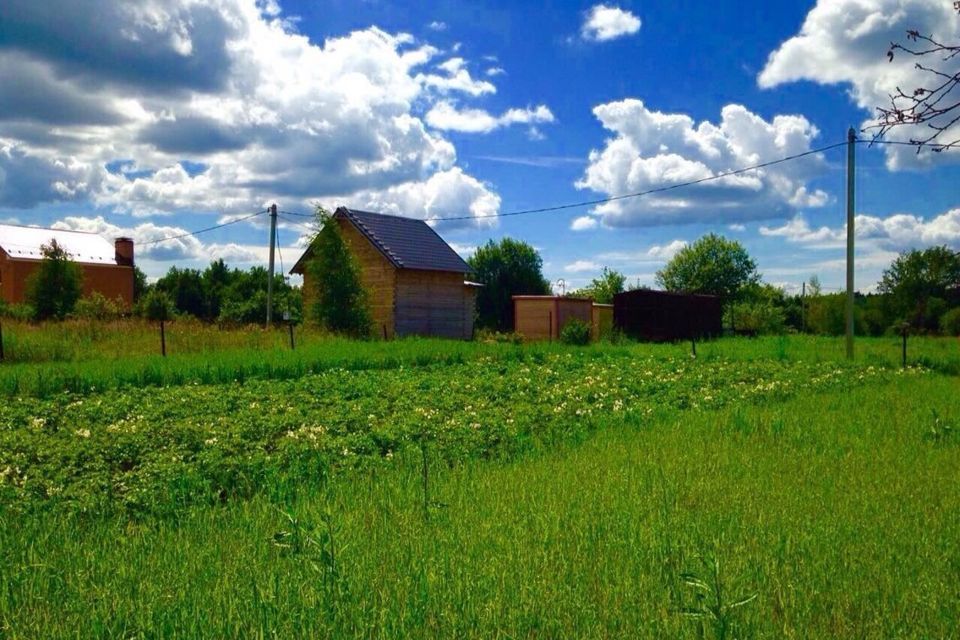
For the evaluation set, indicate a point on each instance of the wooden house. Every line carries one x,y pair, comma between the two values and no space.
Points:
415,281
107,268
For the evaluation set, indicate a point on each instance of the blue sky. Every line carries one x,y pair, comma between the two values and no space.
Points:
162,117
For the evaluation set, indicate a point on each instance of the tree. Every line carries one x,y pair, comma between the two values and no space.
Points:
157,306
185,289
56,285
603,289
936,104
506,269
917,282
340,301
140,285
711,265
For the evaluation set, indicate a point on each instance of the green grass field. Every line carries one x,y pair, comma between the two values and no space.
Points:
433,489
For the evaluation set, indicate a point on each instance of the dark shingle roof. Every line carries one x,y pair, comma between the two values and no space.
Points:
407,243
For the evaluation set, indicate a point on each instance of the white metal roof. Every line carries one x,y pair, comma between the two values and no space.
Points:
24,243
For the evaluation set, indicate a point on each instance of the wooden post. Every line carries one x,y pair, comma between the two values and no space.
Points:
163,340
384,326
803,308
292,346
273,246
693,348
903,359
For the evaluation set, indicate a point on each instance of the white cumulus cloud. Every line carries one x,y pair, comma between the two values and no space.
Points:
652,149
583,223
845,42
445,116
604,22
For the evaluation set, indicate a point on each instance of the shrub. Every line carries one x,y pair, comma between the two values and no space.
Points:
157,305
490,336
950,323
97,307
760,318
575,332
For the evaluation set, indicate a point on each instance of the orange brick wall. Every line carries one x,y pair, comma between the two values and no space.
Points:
110,281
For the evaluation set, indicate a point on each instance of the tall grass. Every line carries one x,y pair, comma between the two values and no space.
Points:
83,356
837,511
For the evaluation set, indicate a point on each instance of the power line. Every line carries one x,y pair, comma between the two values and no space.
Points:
638,194
199,231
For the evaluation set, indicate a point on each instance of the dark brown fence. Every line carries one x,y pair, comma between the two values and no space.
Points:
663,316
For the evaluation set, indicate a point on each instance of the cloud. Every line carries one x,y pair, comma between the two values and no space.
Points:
897,232
232,88
187,248
495,71
437,25
845,42
583,223
737,227
652,149
445,116
456,78
603,23
581,266
446,194
666,252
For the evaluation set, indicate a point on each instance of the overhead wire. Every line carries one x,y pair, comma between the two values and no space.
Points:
199,231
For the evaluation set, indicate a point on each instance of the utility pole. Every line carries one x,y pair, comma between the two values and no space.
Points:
273,248
851,171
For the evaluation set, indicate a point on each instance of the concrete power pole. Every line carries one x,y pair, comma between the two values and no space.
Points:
851,184
273,248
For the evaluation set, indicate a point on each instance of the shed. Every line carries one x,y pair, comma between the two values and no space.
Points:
416,282
544,317
663,315
107,268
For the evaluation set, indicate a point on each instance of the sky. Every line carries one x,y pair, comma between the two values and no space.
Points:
157,118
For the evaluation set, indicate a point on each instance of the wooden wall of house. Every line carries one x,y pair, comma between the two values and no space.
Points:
432,303
377,275
469,310
111,281
535,318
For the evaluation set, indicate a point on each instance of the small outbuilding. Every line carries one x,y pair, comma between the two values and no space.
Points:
643,314
107,268
544,317
416,282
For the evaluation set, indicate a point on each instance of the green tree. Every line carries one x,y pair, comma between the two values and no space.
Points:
157,306
185,289
917,282
603,289
711,265
56,285
506,268
340,302
140,285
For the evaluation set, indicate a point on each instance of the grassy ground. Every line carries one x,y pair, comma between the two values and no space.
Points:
84,356
833,514
441,489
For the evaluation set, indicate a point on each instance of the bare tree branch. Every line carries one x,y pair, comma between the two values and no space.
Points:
937,106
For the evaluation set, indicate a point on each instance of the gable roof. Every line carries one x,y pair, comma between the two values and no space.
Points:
408,243
23,243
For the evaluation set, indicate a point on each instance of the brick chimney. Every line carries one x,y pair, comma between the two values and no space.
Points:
124,247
